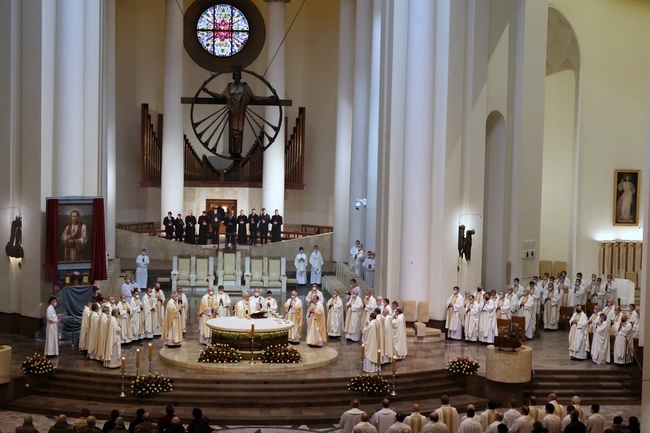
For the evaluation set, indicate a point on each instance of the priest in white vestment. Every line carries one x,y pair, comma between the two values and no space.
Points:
565,294
448,415
371,340
471,320
470,424
369,269
269,303
141,273
577,293
615,321
317,293
149,314
595,423
293,312
578,334
387,337
184,307
256,301
453,322
552,422
103,332
300,262
159,316
113,350
243,307
399,329
124,310
523,424
335,315
52,329
600,350
518,288
207,310
85,322
353,254
514,302
527,310
316,261
623,350
316,328
172,335
223,302
93,332
415,420
128,286
487,321
137,317
504,308
490,414
358,262
551,307
353,323
611,292
600,297
369,305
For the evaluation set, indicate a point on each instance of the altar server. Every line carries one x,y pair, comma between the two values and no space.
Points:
223,302
353,323
300,262
141,273
52,329
113,348
453,323
316,261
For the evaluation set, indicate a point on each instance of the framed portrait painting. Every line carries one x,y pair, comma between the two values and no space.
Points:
626,197
75,229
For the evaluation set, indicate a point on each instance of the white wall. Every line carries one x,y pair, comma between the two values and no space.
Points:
613,113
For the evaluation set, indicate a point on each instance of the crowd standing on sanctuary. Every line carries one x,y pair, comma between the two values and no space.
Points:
475,316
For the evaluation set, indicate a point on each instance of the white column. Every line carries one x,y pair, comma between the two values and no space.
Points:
644,328
69,82
342,201
373,130
109,178
172,179
361,92
273,169
418,151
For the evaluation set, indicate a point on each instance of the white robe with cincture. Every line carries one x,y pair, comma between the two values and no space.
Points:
454,323
141,273
316,262
578,336
600,352
399,328
300,262
51,332
623,344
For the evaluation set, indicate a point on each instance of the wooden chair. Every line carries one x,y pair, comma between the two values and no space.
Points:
421,329
410,314
503,326
590,308
565,316
519,326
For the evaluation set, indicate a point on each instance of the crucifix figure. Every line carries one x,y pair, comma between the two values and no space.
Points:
237,97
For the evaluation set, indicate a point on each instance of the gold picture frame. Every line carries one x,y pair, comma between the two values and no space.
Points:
627,184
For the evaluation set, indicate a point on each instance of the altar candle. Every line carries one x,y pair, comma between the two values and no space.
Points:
393,364
137,357
363,350
252,330
150,351
379,356
123,364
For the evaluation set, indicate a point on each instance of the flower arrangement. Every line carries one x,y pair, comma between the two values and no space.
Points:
369,384
281,354
150,386
463,365
219,353
37,365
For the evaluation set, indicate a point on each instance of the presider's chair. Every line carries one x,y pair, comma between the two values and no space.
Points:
423,333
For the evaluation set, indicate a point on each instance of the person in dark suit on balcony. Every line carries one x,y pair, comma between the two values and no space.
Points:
168,223
265,220
276,227
253,221
231,227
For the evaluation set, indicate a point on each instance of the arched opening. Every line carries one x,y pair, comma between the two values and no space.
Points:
559,183
496,202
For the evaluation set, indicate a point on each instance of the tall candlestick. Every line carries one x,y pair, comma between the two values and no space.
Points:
123,364
252,330
379,356
393,364
137,357
150,351
363,350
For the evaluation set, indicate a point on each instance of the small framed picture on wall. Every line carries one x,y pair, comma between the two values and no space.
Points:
626,197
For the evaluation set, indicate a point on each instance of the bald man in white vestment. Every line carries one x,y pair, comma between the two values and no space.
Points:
415,420
351,417
384,417
435,425
600,346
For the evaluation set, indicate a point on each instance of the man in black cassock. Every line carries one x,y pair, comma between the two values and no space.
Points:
253,221
231,227
190,228
203,229
265,220
168,223
178,227
242,221
276,227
